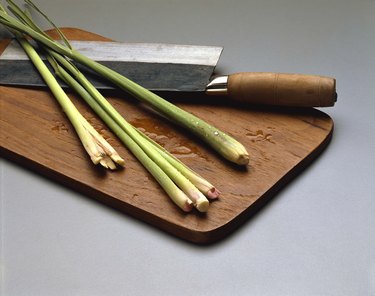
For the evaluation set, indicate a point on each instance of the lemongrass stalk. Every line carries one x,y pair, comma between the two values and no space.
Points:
228,147
96,146
204,186
177,195
198,199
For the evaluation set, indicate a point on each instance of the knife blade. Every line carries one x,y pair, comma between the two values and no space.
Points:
179,68
158,67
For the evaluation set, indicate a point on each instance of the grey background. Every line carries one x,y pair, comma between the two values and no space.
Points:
316,237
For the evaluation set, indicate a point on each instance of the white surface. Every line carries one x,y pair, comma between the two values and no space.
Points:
316,237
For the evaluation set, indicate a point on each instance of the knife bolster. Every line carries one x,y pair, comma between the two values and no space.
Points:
282,89
218,86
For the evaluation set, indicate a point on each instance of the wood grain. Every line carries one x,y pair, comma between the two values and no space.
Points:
281,142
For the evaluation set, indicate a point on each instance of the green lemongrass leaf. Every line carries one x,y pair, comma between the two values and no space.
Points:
17,11
52,57
14,24
53,63
61,34
25,17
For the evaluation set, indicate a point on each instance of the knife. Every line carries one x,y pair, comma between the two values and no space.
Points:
179,68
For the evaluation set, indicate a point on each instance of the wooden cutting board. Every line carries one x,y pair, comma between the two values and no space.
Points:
281,142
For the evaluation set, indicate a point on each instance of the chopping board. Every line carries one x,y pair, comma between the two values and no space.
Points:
281,142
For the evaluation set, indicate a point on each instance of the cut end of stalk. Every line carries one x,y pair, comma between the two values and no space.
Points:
199,199
234,151
187,206
107,163
181,200
213,193
243,159
202,205
96,158
117,159
98,148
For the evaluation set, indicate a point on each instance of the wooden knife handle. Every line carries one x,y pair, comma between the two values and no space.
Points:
282,89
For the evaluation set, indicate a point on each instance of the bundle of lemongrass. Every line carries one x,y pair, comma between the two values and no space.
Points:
186,188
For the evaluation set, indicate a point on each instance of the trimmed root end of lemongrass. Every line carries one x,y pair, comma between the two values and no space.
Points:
198,199
203,185
213,193
240,155
187,206
181,200
243,159
202,205
235,152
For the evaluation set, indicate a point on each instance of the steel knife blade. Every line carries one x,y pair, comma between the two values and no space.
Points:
158,67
